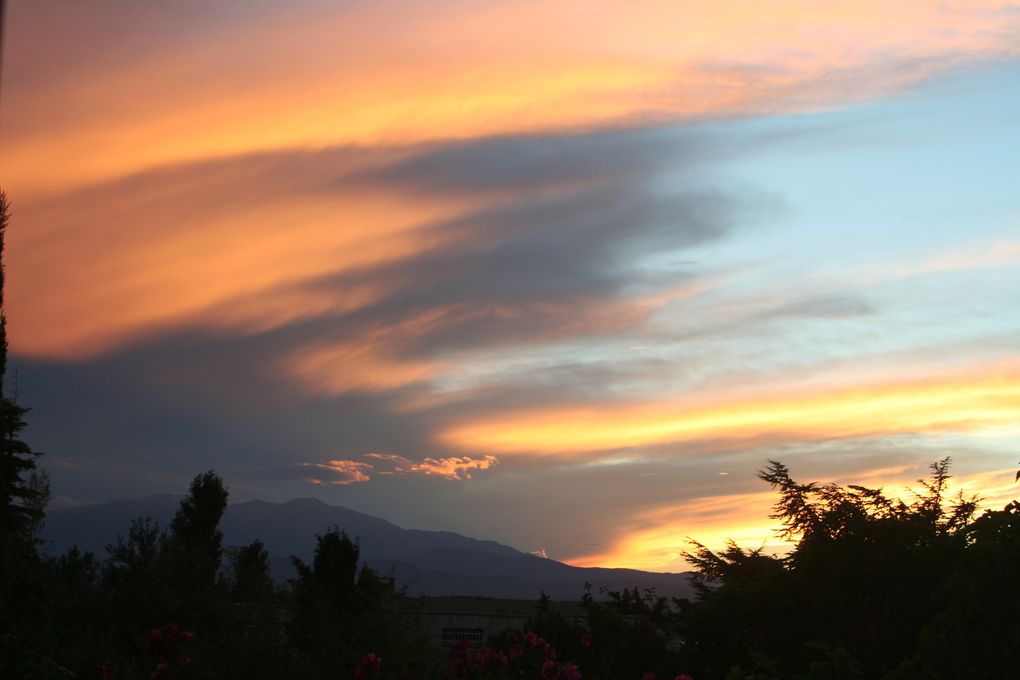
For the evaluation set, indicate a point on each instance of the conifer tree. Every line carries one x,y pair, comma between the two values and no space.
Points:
195,528
193,550
250,579
18,511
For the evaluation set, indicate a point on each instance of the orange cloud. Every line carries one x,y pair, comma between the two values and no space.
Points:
346,471
95,268
354,74
368,364
986,396
455,467
341,472
187,247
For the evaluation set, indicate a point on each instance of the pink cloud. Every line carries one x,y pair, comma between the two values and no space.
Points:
341,472
454,467
345,471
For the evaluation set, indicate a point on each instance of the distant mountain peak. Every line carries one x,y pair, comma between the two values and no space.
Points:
308,500
426,562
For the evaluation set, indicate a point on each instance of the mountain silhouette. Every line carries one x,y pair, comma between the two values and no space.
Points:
427,563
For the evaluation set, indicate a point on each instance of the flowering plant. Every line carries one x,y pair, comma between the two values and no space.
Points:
168,646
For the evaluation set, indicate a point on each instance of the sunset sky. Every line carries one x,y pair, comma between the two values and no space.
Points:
561,274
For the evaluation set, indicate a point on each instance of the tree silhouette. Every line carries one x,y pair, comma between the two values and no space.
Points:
250,580
866,575
194,530
342,613
134,581
22,500
193,551
19,510
977,635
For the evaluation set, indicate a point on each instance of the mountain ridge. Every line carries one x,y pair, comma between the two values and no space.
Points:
426,562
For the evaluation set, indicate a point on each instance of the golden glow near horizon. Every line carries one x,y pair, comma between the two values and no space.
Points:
988,398
368,198
654,541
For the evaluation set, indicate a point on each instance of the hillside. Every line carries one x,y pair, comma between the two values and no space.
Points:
433,563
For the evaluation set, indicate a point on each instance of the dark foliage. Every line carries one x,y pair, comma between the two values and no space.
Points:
342,613
874,587
20,510
249,579
977,632
21,506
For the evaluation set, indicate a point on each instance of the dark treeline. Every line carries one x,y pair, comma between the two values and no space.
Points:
874,587
174,603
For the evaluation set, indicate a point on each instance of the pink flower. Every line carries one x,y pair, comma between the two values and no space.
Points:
683,676
571,672
550,651
489,658
648,676
533,640
586,640
162,668
370,666
157,646
550,670
188,636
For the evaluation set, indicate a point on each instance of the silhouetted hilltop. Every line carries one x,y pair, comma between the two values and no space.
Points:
431,563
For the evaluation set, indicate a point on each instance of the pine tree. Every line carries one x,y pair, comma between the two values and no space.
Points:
20,509
19,512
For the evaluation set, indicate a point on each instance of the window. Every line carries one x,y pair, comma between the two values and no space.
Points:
473,636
